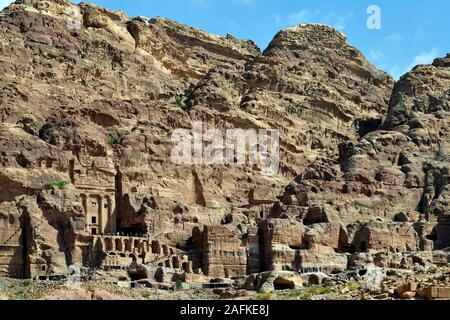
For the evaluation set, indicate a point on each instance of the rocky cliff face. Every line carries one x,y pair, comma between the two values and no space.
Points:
88,107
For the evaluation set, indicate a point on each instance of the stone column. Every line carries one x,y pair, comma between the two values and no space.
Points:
111,214
100,214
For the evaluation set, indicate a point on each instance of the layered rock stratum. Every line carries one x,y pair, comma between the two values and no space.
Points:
89,99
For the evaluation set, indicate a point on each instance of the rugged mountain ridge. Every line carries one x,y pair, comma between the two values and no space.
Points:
87,116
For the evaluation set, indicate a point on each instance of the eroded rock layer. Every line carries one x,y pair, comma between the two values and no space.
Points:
89,99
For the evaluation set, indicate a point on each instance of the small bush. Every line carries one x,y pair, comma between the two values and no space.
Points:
250,111
308,293
352,285
417,105
61,185
440,155
146,294
181,104
419,207
113,139
265,297
178,285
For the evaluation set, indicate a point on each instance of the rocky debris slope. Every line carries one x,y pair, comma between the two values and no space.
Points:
89,99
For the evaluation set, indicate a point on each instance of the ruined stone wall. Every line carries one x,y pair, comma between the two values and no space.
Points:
276,233
223,255
12,255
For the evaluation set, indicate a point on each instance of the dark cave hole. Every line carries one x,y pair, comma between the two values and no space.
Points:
282,284
432,237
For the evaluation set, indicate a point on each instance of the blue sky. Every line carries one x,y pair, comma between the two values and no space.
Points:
412,32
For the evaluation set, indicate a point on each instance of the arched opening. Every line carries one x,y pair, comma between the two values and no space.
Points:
118,244
165,250
314,279
283,284
167,264
128,245
175,262
137,244
185,266
133,257
108,244
156,248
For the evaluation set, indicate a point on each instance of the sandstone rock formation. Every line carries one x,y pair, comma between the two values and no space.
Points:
87,115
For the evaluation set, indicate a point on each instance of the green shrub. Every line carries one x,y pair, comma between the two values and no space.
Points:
182,104
265,296
441,154
113,139
352,285
417,105
308,293
178,285
61,185
419,207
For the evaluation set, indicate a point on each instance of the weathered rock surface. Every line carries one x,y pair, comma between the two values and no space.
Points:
88,107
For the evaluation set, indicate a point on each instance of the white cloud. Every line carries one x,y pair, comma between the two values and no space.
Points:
425,57
376,55
421,58
209,3
231,23
395,37
277,18
303,16
244,2
396,72
199,3
316,16
5,3
338,21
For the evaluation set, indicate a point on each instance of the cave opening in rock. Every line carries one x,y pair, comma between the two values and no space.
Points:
363,246
432,237
283,284
137,275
